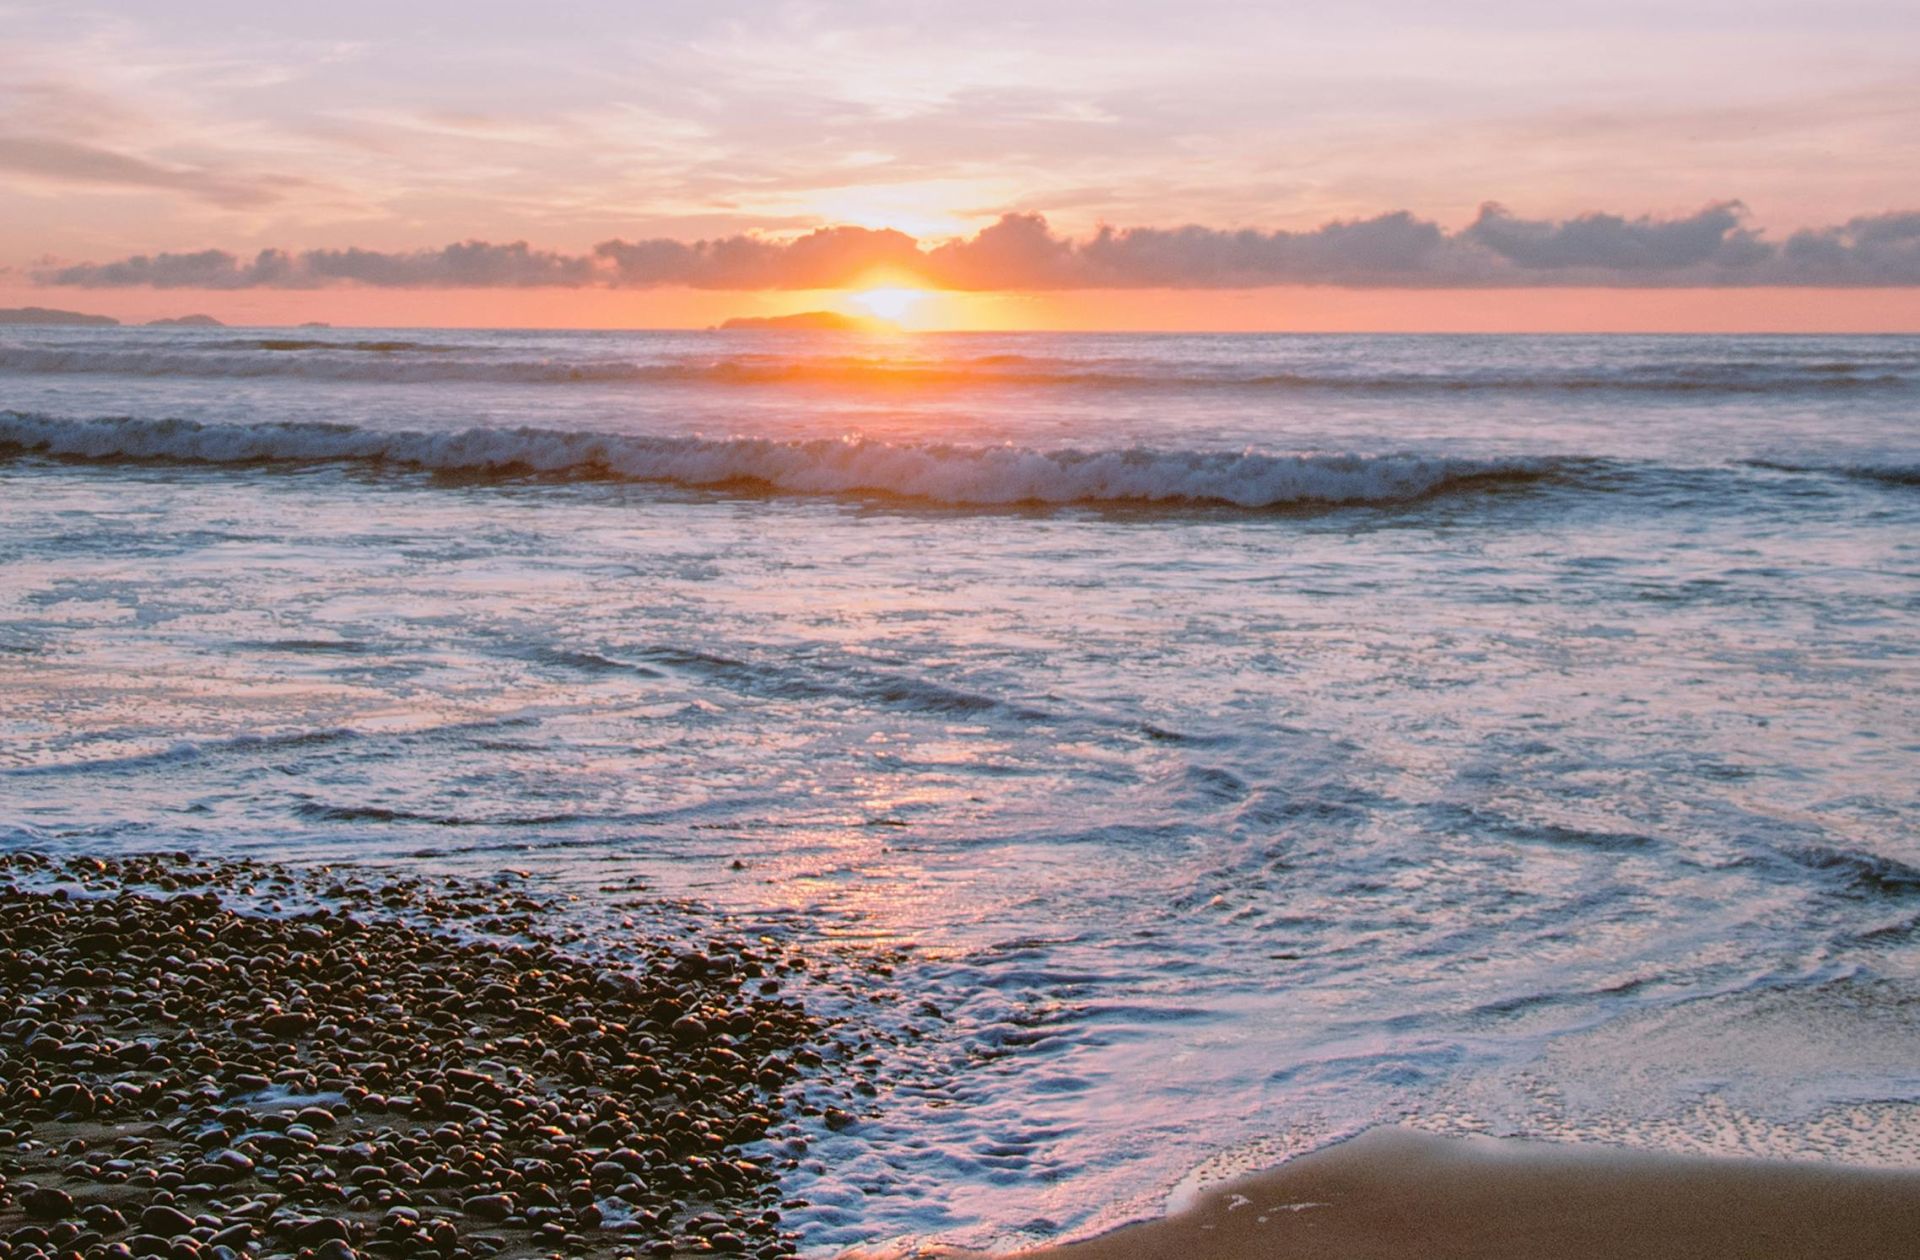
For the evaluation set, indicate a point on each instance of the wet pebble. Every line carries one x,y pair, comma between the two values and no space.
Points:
376,1076
44,1203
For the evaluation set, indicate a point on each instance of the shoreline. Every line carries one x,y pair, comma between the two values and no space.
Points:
1399,1194
240,1060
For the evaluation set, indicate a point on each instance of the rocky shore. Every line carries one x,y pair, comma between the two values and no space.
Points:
239,1061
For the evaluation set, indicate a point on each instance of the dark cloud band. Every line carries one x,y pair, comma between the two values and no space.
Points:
1713,248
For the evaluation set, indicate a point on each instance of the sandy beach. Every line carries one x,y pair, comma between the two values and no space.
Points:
1395,1194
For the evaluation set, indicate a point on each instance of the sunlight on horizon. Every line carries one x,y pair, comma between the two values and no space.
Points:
891,303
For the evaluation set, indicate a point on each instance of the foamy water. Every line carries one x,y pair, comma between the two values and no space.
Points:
1247,738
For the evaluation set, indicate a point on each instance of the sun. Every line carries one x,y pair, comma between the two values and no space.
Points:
889,303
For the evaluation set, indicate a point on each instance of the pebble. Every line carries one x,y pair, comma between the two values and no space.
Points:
46,1204
253,1076
165,1221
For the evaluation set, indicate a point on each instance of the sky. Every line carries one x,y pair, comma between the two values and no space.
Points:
1196,164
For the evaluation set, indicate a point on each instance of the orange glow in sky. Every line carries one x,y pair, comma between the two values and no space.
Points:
1505,167
892,304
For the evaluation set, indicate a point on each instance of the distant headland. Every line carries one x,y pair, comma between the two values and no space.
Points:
186,321
47,316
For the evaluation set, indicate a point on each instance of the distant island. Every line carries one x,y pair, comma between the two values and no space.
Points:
186,321
316,323
45,315
805,321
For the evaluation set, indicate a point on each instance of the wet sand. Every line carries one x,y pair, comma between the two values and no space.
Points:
1393,1193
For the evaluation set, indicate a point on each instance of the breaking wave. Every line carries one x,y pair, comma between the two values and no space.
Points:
937,473
1907,475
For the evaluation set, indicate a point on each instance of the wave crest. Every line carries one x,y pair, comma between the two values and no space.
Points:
1898,475
937,473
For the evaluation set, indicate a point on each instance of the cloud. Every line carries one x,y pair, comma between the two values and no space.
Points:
1715,236
468,265
822,259
1715,247
1388,249
1873,250
68,162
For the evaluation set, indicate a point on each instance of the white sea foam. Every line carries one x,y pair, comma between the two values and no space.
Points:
968,475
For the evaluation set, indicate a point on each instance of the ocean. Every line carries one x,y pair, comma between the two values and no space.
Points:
1231,742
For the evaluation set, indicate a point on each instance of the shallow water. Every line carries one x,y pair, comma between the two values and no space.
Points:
1251,738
